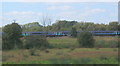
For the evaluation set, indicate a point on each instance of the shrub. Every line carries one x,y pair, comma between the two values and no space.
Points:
35,41
86,39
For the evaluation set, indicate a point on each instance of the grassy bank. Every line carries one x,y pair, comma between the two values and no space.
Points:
78,55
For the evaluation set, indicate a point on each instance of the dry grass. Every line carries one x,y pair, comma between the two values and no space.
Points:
24,55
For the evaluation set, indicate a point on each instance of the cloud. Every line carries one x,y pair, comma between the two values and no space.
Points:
21,17
84,14
60,8
60,0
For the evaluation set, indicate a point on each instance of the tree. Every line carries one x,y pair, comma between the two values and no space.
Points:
85,39
31,27
113,26
34,29
63,25
80,26
11,36
119,27
74,32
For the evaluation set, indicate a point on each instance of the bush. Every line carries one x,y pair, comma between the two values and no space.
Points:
35,41
86,39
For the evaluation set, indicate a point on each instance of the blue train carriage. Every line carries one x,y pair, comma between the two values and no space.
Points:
59,34
50,34
105,33
38,33
118,33
26,33
67,33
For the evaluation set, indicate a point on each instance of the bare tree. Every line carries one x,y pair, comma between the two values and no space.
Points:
46,20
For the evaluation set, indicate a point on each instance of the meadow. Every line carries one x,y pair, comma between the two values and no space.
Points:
65,50
100,42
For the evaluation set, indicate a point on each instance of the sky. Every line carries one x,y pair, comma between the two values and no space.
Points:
26,12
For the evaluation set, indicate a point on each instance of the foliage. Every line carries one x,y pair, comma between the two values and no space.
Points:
31,27
64,25
0,29
113,26
34,29
74,32
11,36
84,26
35,41
86,39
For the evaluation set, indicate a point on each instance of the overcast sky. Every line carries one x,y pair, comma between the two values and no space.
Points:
25,12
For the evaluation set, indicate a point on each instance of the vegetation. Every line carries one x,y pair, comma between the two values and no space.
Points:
109,60
63,25
11,36
32,27
59,50
74,32
67,42
62,53
35,41
114,26
63,42
0,29
86,39
62,56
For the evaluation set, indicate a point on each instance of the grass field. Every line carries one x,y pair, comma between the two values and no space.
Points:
62,52
66,42
24,56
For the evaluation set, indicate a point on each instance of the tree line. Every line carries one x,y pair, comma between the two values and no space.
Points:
63,25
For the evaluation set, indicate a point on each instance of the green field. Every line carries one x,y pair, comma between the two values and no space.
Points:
65,50
66,42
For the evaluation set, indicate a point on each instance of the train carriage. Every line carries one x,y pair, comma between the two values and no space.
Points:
67,33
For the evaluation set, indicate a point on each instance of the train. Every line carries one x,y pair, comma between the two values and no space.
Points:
68,33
